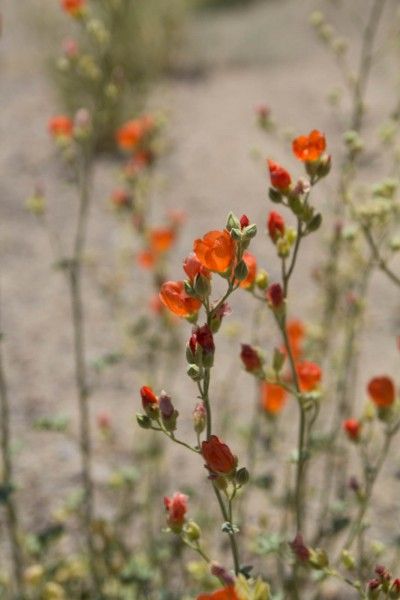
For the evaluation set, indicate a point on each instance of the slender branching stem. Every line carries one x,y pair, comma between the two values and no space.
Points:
81,380
8,483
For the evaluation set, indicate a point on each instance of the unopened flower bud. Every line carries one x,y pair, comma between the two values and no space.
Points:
318,559
192,531
394,591
149,401
347,560
251,358
166,406
232,222
241,271
33,574
278,360
202,286
242,476
244,221
36,204
143,421
195,372
250,231
373,589
199,417
222,573
275,296
262,280
82,123
324,165
299,548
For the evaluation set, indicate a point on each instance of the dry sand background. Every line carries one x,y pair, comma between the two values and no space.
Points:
263,53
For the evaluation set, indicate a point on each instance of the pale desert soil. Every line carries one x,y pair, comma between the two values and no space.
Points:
243,59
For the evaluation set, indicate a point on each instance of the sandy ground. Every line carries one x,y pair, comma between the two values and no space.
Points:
244,60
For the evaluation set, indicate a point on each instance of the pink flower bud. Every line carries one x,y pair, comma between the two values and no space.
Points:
166,407
199,417
250,358
244,221
275,295
222,573
70,48
205,339
299,548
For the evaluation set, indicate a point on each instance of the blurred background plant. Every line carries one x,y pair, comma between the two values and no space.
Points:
113,51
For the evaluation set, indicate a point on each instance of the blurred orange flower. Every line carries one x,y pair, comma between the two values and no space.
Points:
146,259
61,126
215,251
382,391
174,297
309,374
132,132
227,593
161,239
352,427
73,7
218,456
309,147
295,330
251,264
273,397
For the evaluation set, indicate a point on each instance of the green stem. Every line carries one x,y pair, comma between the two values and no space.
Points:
78,323
7,468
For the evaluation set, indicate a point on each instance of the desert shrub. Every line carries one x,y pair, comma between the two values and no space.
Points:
115,50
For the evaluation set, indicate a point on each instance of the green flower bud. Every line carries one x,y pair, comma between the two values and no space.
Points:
232,222
202,286
347,560
275,196
262,280
192,531
250,231
236,234
195,372
241,271
143,421
278,360
242,476
318,559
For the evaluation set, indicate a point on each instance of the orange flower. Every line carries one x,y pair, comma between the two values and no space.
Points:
161,239
227,593
280,178
251,265
73,7
309,147
215,251
132,132
146,259
218,456
309,374
382,391
295,330
61,126
273,397
193,267
174,297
